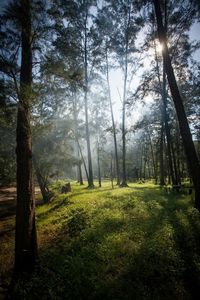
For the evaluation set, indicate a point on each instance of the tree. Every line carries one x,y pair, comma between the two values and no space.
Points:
25,236
191,155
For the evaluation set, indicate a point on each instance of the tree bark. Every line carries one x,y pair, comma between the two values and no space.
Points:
80,169
25,234
165,118
83,160
167,130
113,122
90,171
162,178
75,113
191,155
42,183
152,156
111,172
124,183
98,163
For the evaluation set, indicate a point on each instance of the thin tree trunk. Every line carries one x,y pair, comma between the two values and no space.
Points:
111,172
124,183
98,163
152,155
79,171
191,155
43,186
113,122
165,117
141,162
176,181
162,179
83,160
167,129
90,171
25,234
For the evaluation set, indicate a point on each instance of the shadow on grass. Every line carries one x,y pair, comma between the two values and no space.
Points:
129,249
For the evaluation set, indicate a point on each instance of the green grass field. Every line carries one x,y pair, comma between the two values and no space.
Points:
139,242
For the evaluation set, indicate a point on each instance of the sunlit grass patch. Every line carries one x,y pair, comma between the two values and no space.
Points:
138,242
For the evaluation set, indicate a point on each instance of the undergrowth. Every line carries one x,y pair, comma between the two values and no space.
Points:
138,242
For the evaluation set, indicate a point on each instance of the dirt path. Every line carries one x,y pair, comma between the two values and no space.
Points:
8,200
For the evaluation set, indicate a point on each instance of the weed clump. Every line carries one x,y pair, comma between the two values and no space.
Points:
77,221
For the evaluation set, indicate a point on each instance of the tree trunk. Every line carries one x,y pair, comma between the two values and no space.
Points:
75,113
90,171
152,155
42,184
98,163
113,122
191,155
124,183
162,179
167,130
111,172
25,234
141,161
165,117
83,160
79,169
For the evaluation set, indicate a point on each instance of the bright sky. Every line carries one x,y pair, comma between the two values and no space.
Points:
116,81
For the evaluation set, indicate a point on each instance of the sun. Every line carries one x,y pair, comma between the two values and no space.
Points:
159,48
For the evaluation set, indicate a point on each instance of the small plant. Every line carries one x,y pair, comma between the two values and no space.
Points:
77,221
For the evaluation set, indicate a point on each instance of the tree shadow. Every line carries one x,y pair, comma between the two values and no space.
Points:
136,249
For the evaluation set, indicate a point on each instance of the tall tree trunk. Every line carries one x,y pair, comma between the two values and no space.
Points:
176,180
191,155
79,168
75,113
42,184
113,122
124,183
83,160
152,156
167,129
111,171
90,171
162,178
25,234
98,164
165,117
141,161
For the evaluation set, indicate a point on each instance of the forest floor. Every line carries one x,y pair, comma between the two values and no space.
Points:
139,242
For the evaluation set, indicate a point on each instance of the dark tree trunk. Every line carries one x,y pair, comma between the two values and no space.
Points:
90,171
25,235
83,160
124,183
165,118
79,169
176,179
75,113
162,178
167,130
42,183
111,172
141,162
191,155
98,163
113,122
153,157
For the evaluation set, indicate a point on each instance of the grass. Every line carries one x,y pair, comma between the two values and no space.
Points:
124,243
